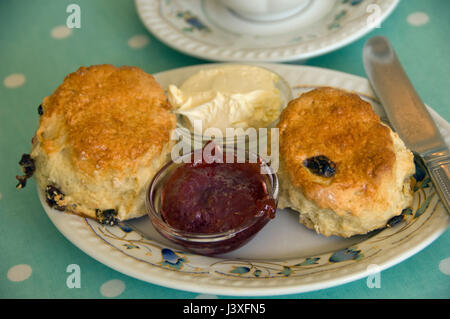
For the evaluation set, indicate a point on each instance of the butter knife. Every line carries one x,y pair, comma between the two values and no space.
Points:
407,113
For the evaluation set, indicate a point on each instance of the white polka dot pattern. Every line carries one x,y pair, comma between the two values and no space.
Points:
60,32
14,80
19,272
112,288
444,266
417,19
138,41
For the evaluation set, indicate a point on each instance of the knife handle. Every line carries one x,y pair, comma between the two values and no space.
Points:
438,164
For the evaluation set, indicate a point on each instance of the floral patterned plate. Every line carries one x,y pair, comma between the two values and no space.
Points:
206,29
285,257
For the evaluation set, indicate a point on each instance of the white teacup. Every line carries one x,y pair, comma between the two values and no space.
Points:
265,10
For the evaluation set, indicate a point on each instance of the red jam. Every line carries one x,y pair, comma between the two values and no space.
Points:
215,197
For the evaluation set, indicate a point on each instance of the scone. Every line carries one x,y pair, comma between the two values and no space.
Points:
343,170
102,136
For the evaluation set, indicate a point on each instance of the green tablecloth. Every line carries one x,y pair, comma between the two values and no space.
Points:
35,56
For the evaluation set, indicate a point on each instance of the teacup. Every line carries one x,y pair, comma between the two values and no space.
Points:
265,10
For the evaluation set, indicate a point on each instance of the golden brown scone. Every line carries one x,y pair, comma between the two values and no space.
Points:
102,136
343,170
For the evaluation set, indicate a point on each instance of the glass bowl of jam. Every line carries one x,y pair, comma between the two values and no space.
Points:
213,200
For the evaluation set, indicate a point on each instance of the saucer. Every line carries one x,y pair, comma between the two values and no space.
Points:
208,30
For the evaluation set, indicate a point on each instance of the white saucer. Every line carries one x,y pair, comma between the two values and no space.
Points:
208,30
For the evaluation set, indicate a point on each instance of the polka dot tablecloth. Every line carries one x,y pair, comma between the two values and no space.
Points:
38,50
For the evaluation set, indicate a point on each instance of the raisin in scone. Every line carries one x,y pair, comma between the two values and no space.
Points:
341,168
102,136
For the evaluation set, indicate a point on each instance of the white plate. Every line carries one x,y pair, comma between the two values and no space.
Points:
284,257
205,29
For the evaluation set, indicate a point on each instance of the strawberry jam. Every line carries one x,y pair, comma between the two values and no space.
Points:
213,197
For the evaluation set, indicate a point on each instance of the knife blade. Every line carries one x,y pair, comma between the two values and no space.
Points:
407,113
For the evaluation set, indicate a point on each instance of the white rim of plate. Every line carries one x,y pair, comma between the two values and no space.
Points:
78,230
148,11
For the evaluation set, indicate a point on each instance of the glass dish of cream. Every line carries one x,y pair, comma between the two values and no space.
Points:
229,96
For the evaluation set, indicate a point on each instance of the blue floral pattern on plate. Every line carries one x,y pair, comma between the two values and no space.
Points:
156,255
